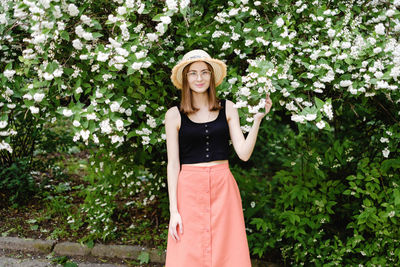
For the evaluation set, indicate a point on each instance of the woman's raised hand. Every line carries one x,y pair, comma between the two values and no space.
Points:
174,221
268,104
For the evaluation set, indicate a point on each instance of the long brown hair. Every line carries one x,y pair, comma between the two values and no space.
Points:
186,94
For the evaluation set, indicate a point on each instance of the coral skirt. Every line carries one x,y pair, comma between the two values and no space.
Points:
214,234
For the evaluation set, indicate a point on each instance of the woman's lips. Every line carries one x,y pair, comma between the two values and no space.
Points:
199,85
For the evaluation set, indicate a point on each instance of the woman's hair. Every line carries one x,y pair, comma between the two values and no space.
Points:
186,94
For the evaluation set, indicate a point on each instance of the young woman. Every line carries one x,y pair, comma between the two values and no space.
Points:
206,227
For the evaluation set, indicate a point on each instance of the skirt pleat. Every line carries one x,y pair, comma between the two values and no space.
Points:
214,233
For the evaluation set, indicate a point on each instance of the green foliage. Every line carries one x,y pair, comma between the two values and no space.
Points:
322,207
17,185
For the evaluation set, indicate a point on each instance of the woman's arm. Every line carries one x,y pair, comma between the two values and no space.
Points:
173,167
244,147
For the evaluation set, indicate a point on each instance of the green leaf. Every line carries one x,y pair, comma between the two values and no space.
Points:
396,194
157,17
144,257
64,35
90,244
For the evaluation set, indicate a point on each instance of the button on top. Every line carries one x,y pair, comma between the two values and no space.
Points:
205,125
206,131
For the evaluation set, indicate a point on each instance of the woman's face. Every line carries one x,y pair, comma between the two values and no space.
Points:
199,77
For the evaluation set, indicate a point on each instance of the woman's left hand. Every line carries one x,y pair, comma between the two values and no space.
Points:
268,104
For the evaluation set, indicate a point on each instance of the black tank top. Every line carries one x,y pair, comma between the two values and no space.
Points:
203,142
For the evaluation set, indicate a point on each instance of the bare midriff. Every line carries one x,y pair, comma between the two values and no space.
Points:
211,163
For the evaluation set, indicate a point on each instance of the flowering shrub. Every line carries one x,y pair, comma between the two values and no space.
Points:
103,66
332,71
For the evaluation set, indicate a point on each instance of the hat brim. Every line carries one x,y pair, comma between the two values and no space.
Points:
219,69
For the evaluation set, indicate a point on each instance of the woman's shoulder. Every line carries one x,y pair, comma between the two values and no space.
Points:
228,103
172,113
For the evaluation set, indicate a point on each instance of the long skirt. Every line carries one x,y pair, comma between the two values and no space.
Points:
214,233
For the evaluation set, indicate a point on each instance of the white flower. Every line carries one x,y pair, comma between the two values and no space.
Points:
377,50
73,10
58,72
280,22
105,126
390,12
98,94
38,97
84,134
6,146
27,96
119,124
297,118
67,113
172,4
87,36
386,152
311,117
76,123
380,29
165,19
152,37
252,204
114,106
391,214
122,51
77,44
34,109
346,45
146,64
47,76
384,140
395,72
78,90
102,56
151,122
137,65
345,83
184,3
85,19
233,12
146,140
140,54
121,10
3,19
142,108
327,108
3,124
245,91
91,116
128,112
331,33
320,124
378,74
9,74
160,28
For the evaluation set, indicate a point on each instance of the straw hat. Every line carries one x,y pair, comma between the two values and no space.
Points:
218,66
